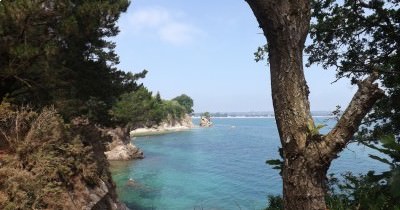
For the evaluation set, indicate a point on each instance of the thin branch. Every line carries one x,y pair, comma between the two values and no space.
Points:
378,71
7,138
23,81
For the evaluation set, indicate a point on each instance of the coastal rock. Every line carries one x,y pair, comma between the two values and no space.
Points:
98,197
124,152
167,126
101,193
118,136
131,183
121,148
205,122
187,121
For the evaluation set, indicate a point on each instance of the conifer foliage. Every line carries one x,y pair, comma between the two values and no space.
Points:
58,52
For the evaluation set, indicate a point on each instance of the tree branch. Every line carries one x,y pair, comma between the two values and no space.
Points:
367,94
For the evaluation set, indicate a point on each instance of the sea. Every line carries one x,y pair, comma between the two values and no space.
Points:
221,167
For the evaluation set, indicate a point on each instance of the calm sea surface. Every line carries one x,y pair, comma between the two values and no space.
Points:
222,167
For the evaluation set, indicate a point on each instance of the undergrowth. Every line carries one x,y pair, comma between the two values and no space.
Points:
45,158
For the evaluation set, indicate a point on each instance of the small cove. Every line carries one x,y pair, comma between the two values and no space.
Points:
222,167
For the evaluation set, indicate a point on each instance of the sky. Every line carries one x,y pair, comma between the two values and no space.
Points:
205,49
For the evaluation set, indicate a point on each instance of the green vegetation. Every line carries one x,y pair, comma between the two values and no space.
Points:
275,202
186,102
367,191
140,108
355,192
173,110
207,115
57,54
367,43
360,39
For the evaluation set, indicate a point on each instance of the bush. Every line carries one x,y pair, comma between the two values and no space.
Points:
186,102
173,110
141,109
275,202
14,124
137,109
47,160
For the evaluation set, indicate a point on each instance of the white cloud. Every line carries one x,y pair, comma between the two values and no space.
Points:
149,18
178,33
168,26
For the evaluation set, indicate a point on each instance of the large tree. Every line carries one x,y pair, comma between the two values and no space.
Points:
359,37
307,154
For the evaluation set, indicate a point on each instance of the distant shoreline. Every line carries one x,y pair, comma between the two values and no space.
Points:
261,117
140,132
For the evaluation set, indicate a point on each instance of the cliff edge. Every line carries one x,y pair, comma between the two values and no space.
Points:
167,126
121,147
47,164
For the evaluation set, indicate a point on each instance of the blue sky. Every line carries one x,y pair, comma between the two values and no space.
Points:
205,50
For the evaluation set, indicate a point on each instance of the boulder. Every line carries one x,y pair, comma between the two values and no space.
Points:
120,147
124,152
205,122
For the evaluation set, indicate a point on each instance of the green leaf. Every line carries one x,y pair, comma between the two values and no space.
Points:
395,183
389,142
383,160
320,126
274,162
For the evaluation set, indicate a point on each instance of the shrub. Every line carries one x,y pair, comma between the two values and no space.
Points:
47,160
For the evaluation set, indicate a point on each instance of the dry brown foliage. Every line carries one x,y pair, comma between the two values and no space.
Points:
45,157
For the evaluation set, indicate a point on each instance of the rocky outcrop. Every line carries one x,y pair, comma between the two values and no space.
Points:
54,165
99,197
100,194
205,121
120,147
124,152
169,125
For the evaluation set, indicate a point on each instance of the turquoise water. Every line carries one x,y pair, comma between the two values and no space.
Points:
222,167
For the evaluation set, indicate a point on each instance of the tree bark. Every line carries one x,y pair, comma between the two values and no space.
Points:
307,156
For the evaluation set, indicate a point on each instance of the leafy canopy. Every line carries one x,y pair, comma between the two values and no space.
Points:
140,108
357,38
58,52
186,102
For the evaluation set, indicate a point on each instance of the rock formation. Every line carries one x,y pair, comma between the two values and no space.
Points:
99,197
205,121
124,152
169,125
121,148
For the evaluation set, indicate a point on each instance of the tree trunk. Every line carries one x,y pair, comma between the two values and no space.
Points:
307,155
304,184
